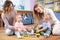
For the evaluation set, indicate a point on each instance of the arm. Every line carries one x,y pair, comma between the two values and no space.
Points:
44,24
16,27
43,29
5,21
15,12
53,16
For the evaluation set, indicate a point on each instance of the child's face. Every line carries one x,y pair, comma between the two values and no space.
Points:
18,18
46,17
49,16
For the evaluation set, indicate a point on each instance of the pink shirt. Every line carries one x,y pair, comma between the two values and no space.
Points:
20,25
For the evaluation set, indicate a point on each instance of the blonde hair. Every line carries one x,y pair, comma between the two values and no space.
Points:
47,16
17,16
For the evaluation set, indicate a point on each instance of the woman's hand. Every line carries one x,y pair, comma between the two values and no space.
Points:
40,26
38,31
25,30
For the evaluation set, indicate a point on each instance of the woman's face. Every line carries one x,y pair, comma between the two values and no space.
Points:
11,7
39,9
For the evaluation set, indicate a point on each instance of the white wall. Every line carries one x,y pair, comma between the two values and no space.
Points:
28,4
1,4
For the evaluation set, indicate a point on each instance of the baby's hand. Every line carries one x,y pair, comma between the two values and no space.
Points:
16,29
24,30
38,31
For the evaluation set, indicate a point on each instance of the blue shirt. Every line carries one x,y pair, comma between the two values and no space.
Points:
46,24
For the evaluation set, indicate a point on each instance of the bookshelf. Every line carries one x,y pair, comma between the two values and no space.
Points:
46,3
56,5
52,4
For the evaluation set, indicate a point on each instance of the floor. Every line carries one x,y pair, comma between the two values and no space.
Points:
3,36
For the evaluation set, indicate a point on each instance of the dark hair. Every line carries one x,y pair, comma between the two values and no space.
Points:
38,13
6,6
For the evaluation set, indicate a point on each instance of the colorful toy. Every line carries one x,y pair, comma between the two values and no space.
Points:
37,34
26,36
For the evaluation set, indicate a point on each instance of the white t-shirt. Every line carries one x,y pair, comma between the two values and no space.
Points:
54,18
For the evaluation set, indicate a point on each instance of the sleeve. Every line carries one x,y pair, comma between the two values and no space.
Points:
15,11
4,19
44,24
54,18
14,17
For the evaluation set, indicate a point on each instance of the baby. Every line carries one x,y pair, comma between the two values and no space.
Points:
45,27
19,27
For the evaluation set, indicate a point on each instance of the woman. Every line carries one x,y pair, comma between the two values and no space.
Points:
39,13
8,17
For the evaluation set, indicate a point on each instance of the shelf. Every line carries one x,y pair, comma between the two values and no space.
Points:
56,0
0,21
24,11
1,11
57,6
20,11
48,1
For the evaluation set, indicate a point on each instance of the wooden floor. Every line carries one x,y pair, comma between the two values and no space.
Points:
3,36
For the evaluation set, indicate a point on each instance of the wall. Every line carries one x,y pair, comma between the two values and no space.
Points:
29,4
